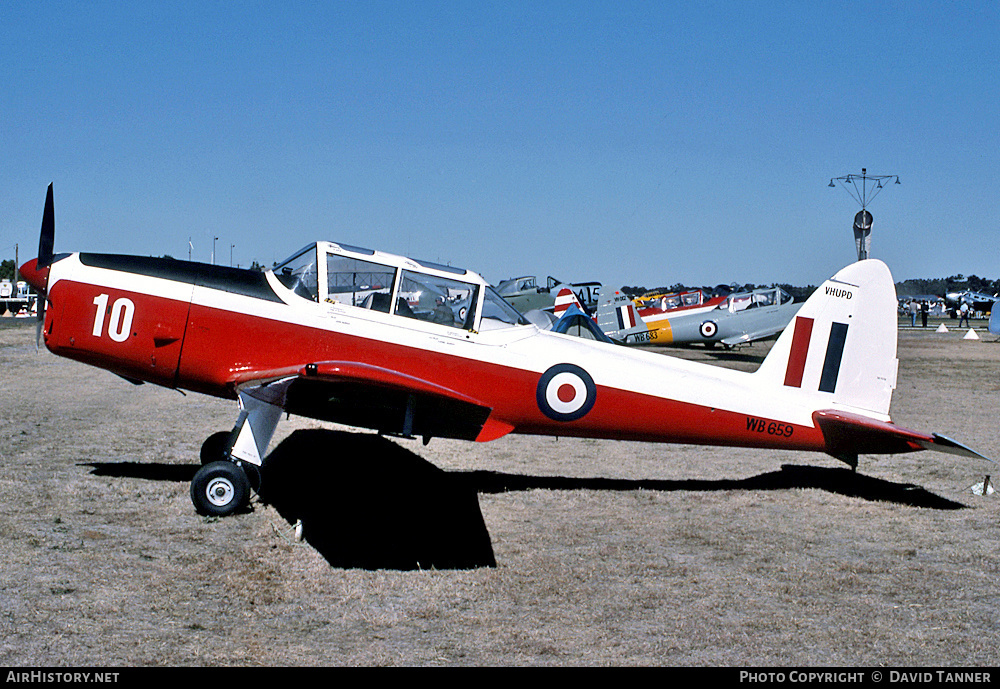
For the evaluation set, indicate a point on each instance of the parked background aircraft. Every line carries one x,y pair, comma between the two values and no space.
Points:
977,300
575,321
569,318
650,305
618,318
525,294
317,336
739,318
656,313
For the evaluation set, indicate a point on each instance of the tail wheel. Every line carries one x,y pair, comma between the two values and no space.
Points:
220,489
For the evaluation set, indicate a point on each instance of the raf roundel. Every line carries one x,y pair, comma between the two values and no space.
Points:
708,329
566,392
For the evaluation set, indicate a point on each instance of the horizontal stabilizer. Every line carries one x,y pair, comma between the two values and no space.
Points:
849,435
953,447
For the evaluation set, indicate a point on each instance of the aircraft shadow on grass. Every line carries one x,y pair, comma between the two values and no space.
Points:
366,502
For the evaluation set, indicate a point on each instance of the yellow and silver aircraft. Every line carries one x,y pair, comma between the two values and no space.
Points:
740,318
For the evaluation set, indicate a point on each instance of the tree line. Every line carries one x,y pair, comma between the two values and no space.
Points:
797,292
906,288
941,286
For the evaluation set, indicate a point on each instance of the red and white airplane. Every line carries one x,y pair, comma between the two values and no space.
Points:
415,349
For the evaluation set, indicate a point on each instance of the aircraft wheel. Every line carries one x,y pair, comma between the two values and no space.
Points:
220,489
214,447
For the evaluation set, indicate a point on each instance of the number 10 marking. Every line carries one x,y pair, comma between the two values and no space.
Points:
120,324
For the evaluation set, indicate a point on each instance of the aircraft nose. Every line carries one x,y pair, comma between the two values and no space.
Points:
37,278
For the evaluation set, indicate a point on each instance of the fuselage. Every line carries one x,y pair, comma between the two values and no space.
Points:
211,329
746,317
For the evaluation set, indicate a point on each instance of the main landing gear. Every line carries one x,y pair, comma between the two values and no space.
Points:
232,460
220,488
223,484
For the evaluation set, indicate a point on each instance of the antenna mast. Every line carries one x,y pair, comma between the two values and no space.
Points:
863,194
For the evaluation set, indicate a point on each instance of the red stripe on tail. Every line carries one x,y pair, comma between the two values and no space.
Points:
800,348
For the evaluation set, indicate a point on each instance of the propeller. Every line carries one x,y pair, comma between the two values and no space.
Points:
46,241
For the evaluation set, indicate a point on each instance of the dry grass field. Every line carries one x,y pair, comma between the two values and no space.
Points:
524,551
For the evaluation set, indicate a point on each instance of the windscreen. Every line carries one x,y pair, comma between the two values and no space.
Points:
298,274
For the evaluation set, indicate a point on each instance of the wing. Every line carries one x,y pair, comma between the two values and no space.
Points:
367,396
744,338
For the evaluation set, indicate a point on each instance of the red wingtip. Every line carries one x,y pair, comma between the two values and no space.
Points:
33,276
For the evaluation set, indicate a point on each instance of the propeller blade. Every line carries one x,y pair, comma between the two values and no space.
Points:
40,323
46,243
40,313
46,240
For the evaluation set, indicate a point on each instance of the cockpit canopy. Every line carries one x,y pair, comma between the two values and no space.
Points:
760,298
396,285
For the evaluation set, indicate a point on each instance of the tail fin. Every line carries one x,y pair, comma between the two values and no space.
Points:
564,299
840,353
841,346
620,320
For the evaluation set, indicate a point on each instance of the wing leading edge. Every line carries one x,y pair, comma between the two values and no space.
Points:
746,338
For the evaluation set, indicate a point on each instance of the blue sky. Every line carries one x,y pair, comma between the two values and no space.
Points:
632,143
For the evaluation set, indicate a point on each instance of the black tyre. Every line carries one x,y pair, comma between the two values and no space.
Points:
214,447
220,489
